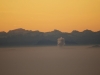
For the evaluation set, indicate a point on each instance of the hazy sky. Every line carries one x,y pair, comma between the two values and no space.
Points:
47,15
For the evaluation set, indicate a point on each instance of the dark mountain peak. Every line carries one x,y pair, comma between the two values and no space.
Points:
56,31
18,31
2,33
75,31
98,31
37,31
87,31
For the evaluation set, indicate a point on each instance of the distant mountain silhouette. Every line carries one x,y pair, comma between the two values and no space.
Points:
22,37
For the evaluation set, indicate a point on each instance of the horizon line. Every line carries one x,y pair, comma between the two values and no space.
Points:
50,31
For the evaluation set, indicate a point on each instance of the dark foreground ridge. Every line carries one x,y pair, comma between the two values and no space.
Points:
22,37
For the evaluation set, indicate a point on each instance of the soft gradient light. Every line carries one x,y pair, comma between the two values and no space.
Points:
47,15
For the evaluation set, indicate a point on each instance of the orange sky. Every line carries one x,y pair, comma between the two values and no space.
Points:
47,15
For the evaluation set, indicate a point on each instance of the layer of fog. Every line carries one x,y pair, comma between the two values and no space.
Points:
50,60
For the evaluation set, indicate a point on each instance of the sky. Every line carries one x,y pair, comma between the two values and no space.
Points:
47,15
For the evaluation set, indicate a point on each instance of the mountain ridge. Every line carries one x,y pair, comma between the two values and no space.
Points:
22,37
